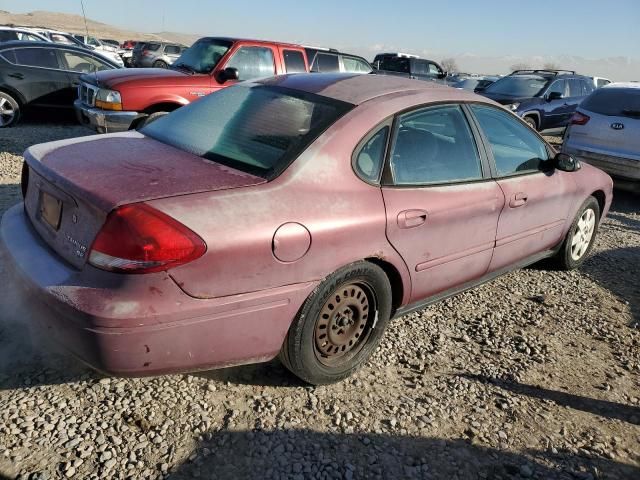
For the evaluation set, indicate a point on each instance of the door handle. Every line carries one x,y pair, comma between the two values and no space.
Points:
518,200
19,76
411,218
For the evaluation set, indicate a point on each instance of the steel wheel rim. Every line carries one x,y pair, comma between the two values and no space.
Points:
583,233
7,112
344,323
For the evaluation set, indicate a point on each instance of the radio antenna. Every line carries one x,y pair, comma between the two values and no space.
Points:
86,29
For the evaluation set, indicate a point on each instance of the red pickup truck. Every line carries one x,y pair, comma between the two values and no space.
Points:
122,99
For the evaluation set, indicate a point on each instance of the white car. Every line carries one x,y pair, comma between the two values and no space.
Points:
605,130
108,51
8,34
600,81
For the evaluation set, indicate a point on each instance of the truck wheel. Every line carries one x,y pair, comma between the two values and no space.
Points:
9,110
531,122
160,64
339,325
580,237
149,119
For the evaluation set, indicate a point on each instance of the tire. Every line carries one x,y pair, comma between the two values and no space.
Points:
326,344
149,119
531,122
9,110
160,64
581,236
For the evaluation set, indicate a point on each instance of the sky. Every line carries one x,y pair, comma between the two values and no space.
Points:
490,28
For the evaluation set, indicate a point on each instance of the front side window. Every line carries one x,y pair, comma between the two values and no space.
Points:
326,63
202,56
370,158
254,128
434,145
433,69
252,62
559,86
36,57
516,149
79,62
294,61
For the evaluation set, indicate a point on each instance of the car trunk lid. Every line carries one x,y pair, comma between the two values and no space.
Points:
608,134
74,184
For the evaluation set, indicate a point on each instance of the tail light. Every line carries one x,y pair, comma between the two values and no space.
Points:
137,238
579,119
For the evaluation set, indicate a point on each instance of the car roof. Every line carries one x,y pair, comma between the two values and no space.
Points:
622,85
358,88
264,42
27,43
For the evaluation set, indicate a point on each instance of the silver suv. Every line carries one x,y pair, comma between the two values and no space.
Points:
156,54
605,130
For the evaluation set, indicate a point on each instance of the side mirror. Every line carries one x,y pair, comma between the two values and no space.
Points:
554,96
229,73
566,163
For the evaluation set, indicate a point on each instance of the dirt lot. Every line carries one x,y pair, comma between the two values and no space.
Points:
536,375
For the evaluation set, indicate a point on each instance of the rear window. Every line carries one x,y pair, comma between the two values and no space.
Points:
255,128
624,102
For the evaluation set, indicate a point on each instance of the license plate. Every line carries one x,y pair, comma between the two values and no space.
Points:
50,210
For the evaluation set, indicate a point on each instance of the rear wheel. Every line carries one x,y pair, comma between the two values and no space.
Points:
339,325
531,122
581,236
160,64
9,110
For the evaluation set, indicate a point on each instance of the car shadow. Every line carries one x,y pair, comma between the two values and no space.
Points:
269,374
301,454
602,408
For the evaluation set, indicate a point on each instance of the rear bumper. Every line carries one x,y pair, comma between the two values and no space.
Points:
137,325
104,121
615,166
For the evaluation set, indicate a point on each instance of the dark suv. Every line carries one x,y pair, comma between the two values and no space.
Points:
411,67
543,98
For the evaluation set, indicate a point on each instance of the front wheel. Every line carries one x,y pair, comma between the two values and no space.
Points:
9,110
160,64
580,237
531,122
339,325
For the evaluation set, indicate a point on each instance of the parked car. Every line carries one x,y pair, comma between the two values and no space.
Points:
156,54
329,60
8,34
128,44
475,84
543,98
213,236
109,51
42,74
600,81
127,52
380,57
109,41
417,68
605,130
208,65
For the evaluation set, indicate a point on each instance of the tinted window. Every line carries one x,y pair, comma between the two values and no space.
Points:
253,62
395,64
8,35
172,49
515,147
518,85
371,156
614,102
434,145
251,127
557,86
355,64
419,67
80,62
151,46
326,63
575,87
9,55
433,69
36,57
294,61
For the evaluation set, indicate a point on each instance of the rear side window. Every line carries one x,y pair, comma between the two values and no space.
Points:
516,149
576,88
254,128
355,65
434,145
294,61
36,57
371,156
151,46
252,62
8,35
396,64
614,102
326,63
172,49
9,56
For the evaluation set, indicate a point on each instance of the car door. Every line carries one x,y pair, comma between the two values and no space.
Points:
38,76
538,199
554,108
442,206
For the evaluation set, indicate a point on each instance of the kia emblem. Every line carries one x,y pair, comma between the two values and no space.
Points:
617,126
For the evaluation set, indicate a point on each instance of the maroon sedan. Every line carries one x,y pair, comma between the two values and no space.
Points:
294,216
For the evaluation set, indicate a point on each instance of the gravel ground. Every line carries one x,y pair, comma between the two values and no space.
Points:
535,375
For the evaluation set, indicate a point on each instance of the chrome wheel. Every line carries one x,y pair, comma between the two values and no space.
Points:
582,234
344,323
7,112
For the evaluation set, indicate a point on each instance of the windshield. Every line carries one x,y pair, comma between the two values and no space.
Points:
203,56
622,102
251,127
518,86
